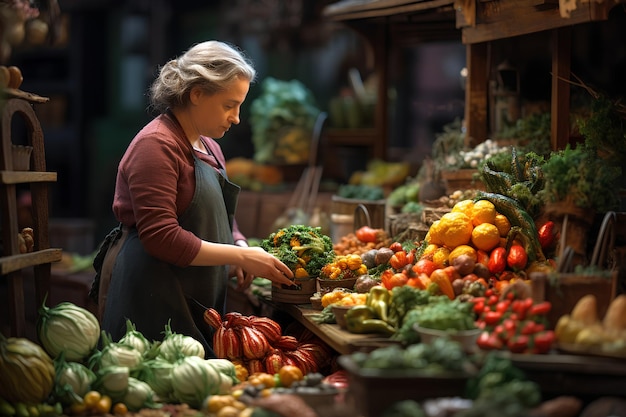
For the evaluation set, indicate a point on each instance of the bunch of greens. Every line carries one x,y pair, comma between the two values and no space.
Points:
501,389
517,175
282,104
361,192
440,356
532,133
437,312
304,249
579,175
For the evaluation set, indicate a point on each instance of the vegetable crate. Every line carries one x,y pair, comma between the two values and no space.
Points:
563,290
374,390
344,213
461,179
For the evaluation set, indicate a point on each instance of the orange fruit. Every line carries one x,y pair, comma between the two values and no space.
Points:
483,212
289,374
464,206
462,250
455,229
433,236
429,251
441,257
503,224
485,236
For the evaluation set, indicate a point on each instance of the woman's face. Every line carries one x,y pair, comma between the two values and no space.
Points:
214,114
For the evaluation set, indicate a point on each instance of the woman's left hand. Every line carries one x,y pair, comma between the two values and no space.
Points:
244,279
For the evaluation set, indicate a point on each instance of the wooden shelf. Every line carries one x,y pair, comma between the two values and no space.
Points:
16,262
22,177
353,137
12,260
340,340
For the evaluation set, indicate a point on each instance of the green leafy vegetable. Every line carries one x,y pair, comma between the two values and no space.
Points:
282,119
301,247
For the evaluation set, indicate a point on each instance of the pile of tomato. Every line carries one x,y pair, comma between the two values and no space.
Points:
514,323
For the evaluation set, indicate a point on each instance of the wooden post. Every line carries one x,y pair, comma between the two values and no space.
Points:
560,97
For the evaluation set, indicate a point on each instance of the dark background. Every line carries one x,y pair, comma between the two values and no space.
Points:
98,77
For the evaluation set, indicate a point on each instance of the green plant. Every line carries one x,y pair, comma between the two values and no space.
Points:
282,118
581,176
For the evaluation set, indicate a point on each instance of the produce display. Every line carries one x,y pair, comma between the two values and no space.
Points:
582,331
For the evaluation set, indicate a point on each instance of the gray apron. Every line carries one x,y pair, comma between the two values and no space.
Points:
152,293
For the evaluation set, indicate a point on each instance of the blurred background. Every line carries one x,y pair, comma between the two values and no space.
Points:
100,56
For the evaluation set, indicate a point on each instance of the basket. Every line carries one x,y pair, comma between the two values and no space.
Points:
300,294
461,179
565,289
327,285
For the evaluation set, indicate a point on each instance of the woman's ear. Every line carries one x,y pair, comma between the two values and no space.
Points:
195,95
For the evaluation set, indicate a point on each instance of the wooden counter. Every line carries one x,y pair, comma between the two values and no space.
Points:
340,340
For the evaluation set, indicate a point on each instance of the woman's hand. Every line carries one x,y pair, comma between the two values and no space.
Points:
252,261
244,279
257,262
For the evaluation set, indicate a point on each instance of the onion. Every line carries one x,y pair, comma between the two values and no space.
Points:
364,283
464,264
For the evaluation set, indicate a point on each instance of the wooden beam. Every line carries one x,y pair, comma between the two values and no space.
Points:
560,98
476,94
499,19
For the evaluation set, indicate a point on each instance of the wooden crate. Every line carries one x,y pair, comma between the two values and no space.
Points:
564,290
461,179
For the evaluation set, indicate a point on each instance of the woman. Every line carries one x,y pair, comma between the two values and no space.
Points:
178,242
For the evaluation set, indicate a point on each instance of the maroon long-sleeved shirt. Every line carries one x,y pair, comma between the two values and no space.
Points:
155,185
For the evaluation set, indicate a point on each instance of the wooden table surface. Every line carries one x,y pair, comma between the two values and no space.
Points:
340,340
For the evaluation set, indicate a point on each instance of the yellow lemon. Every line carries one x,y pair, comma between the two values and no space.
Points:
441,257
430,250
462,250
465,207
503,224
483,212
485,236
433,236
454,229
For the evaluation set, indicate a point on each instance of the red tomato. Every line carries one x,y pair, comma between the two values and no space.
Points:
396,246
399,260
547,235
421,281
492,318
518,344
542,341
482,257
390,279
488,341
540,309
366,234
497,260
517,258
531,327
424,266
452,273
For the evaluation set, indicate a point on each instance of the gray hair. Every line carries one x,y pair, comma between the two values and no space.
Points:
210,65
